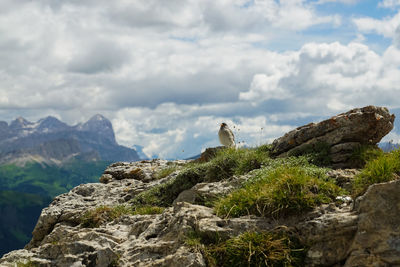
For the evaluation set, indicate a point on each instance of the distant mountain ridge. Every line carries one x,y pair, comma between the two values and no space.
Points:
51,141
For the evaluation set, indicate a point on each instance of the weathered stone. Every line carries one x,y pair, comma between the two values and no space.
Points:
377,241
105,178
207,192
329,235
209,154
344,177
342,133
336,233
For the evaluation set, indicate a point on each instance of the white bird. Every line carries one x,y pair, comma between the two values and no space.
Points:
226,136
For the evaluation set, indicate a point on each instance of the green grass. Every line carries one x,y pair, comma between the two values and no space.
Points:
95,218
165,172
318,154
26,190
275,248
27,264
49,180
280,191
238,161
164,194
383,168
365,153
147,210
103,214
226,163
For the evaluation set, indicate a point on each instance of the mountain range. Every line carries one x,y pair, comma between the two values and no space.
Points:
51,141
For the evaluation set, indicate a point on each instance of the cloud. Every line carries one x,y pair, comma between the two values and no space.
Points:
168,72
348,2
98,56
387,27
329,77
389,3
185,130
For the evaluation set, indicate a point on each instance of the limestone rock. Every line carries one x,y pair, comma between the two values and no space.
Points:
342,133
377,240
207,192
329,234
344,177
364,233
209,153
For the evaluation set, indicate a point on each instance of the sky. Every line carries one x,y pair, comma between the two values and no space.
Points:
167,73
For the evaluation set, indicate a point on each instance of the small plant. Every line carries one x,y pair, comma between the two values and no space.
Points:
385,167
95,218
193,240
137,174
165,172
27,264
226,163
277,248
364,153
164,194
258,249
279,192
115,261
318,153
238,161
147,210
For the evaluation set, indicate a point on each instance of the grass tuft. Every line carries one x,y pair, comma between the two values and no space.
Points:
27,264
383,168
103,214
165,172
227,162
147,210
279,192
95,218
365,153
318,153
277,248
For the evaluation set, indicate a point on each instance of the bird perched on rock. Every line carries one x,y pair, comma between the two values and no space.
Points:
226,136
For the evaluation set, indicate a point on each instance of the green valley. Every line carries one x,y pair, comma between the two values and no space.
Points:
26,190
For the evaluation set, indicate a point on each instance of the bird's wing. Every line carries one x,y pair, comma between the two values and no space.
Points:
232,136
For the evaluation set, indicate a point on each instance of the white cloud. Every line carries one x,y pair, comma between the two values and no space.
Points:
388,27
348,2
389,3
330,77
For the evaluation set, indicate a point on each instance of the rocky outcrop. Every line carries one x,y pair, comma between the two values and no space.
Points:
337,233
342,134
364,232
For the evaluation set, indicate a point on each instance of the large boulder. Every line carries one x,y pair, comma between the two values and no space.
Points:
341,134
377,240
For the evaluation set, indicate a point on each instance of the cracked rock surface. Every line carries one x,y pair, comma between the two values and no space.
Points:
343,134
339,234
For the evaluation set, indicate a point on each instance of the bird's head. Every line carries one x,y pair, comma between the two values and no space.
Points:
223,124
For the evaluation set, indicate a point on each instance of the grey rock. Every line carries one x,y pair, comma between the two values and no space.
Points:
329,235
377,241
209,154
342,133
344,177
337,233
